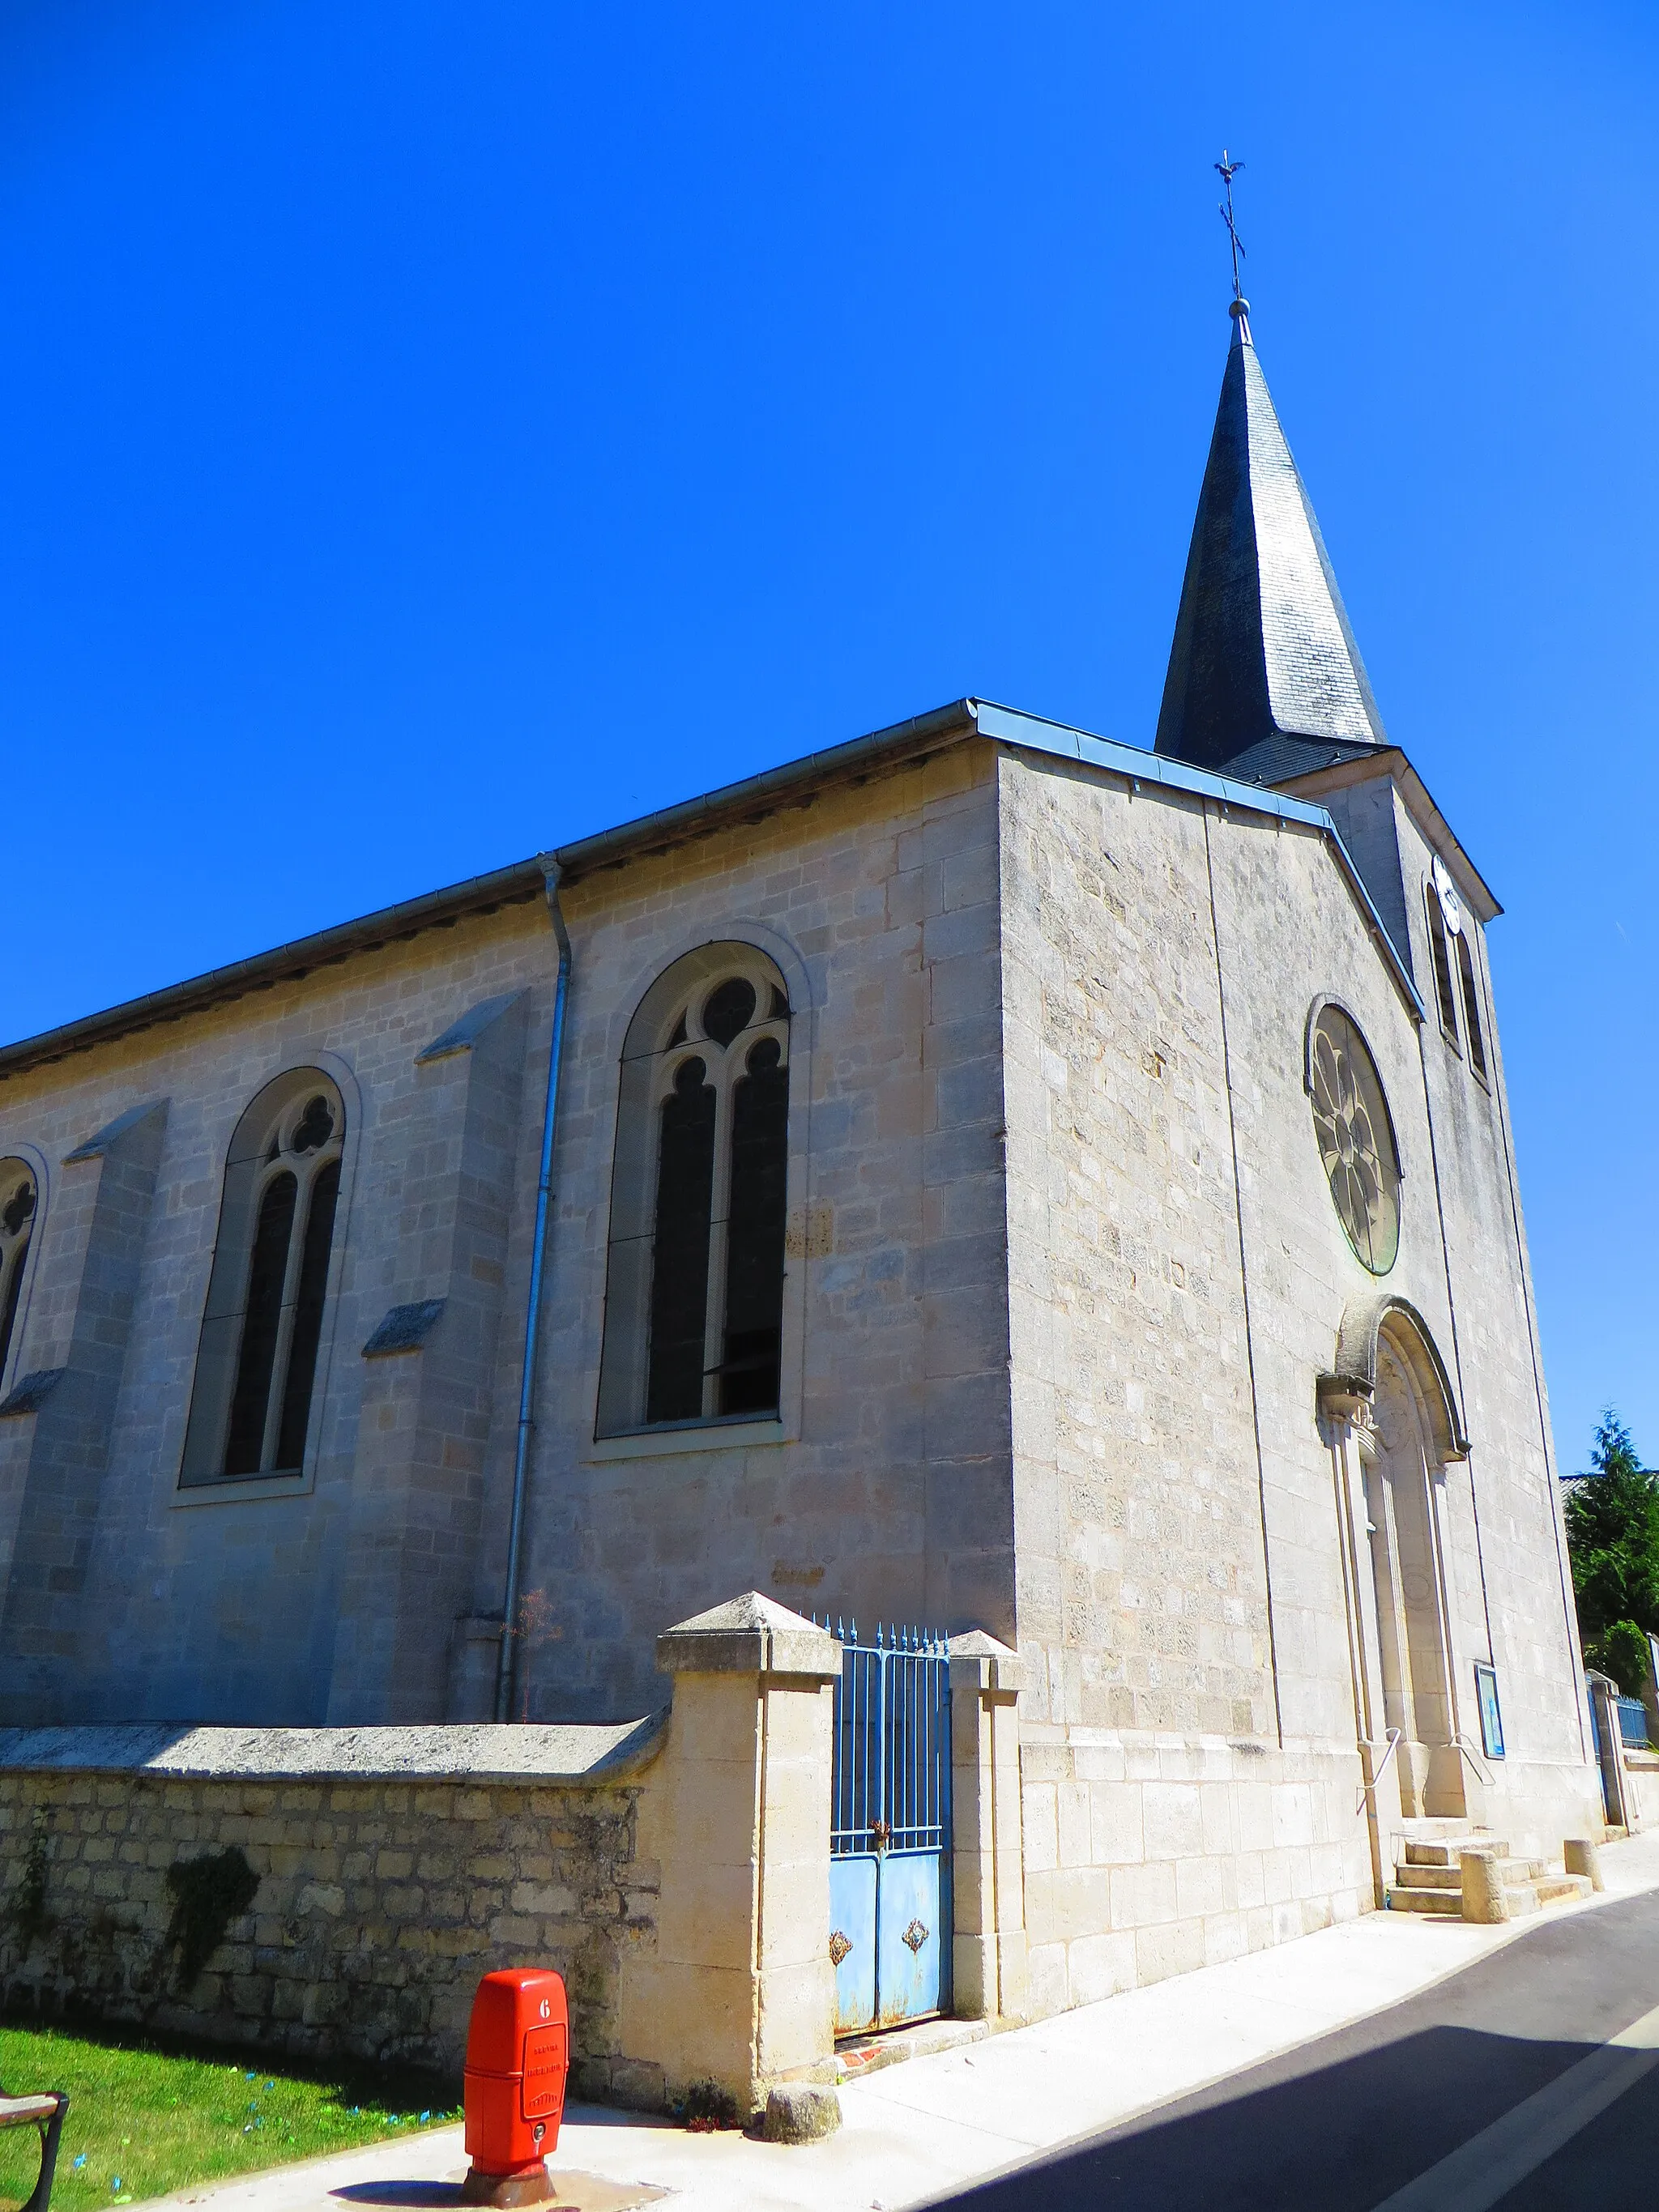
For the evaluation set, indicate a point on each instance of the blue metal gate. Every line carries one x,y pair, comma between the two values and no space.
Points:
889,1830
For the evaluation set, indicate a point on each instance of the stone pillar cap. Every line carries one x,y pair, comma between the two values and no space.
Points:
997,1666
749,1635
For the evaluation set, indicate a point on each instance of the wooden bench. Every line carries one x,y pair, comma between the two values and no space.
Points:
45,2112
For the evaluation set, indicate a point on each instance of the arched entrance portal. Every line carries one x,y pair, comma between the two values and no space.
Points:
1414,1629
1397,1428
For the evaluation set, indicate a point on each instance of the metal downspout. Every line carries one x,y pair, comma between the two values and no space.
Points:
506,1667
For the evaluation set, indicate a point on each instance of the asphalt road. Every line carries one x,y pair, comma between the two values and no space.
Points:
1462,2099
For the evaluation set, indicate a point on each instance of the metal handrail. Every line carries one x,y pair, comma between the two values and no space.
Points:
1369,1789
1461,1742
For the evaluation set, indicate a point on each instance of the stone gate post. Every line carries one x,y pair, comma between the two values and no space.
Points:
741,1990
987,1862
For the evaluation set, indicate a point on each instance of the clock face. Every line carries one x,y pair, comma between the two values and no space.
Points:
1355,1140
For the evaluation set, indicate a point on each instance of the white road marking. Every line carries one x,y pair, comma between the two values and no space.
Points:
1482,2172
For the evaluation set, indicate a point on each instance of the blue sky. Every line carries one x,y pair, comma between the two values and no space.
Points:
430,433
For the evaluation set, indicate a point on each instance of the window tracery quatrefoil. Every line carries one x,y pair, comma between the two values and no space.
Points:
1356,1139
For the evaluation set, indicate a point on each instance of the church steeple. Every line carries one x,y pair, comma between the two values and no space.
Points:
1265,679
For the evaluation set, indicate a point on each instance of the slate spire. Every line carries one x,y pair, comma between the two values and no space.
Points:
1265,680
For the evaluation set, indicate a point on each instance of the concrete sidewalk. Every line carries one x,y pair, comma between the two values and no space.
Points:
916,2131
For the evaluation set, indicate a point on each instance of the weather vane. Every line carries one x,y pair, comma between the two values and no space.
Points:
1227,170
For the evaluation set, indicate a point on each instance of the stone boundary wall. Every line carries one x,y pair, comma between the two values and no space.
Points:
382,1898
675,1870
1148,1856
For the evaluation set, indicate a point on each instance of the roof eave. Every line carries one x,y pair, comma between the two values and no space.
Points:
506,886
521,880
650,833
692,818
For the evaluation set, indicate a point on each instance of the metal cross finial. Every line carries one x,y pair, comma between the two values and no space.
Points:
1227,170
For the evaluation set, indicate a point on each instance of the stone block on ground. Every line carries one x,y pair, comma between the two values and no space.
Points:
800,2112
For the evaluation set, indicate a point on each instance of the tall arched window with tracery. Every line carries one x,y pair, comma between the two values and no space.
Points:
694,1295
18,1200
256,1370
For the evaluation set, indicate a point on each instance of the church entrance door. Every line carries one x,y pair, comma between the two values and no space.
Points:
890,1914
1413,1613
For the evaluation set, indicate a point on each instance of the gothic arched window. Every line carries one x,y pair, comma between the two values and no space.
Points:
694,1295
257,1368
18,1199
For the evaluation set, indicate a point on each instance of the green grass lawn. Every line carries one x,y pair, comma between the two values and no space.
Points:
144,2119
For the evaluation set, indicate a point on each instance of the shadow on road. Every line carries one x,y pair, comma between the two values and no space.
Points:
1333,2139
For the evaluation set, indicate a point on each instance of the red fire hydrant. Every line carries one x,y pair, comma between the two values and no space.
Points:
517,2053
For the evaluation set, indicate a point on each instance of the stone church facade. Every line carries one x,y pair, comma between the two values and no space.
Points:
994,1177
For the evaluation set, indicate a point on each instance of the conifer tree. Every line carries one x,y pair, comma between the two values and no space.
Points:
1612,1537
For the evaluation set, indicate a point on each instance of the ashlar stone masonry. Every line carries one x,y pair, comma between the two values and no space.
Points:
1072,1344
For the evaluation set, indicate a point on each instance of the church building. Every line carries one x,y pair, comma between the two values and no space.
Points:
983,1176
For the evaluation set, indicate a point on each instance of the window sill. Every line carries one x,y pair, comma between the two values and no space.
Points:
734,1432
246,1490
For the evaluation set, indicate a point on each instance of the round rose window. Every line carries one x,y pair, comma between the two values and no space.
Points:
1356,1139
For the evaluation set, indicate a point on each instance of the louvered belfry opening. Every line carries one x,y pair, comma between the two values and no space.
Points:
694,1314
1473,1030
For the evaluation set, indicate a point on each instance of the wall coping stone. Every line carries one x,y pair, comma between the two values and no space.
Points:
487,1752
749,1635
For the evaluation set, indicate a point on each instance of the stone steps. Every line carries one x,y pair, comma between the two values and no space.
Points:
1451,1877
1448,1851
1556,1886
859,2055
1403,1897
1429,1876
